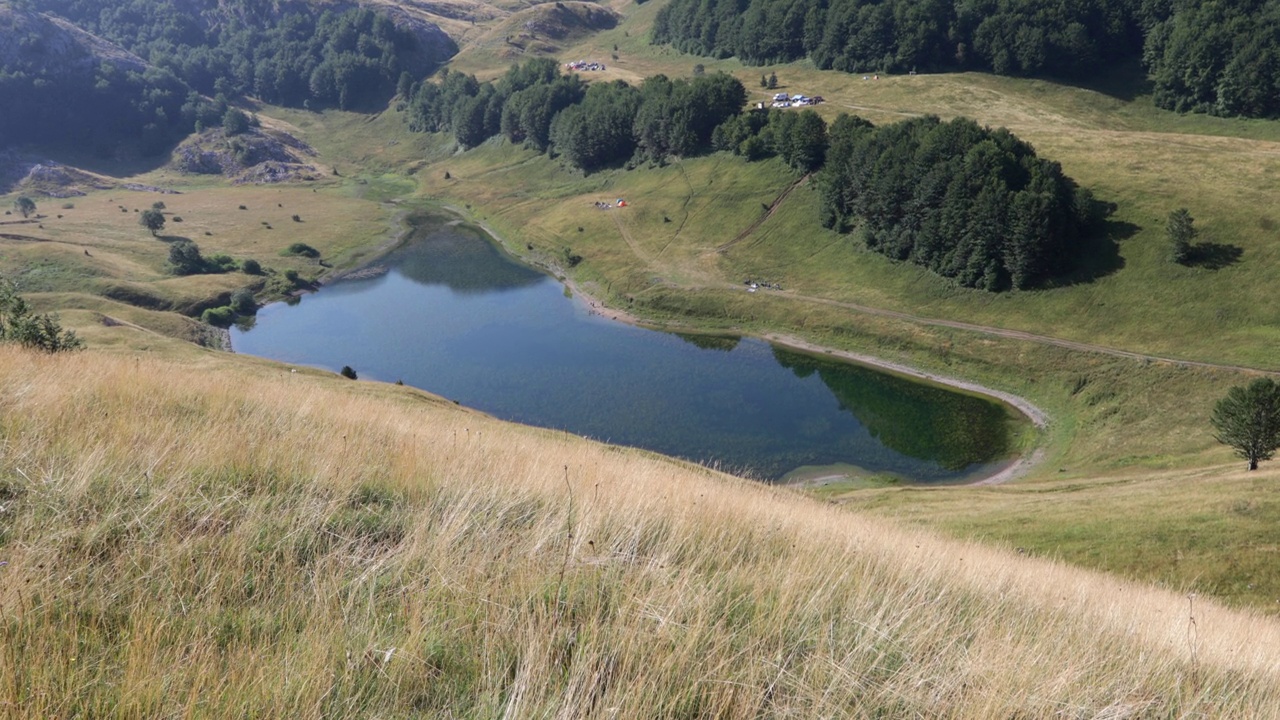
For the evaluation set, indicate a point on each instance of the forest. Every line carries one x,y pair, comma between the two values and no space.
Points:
355,59
1214,57
967,202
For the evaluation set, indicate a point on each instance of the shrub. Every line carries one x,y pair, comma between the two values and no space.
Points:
185,258
301,250
235,122
222,263
242,302
219,317
251,267
41,332
348,372
297,218
291,275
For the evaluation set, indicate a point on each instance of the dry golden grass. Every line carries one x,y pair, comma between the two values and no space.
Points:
224,537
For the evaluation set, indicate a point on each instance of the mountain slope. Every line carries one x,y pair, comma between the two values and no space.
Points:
227,537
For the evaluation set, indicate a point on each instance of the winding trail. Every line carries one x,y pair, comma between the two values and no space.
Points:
1012,334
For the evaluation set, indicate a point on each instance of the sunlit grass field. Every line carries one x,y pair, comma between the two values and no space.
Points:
223,537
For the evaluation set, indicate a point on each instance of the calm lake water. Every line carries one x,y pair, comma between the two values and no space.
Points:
456,316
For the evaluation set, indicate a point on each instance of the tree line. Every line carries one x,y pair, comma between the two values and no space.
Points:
1216,57
970,203
590,127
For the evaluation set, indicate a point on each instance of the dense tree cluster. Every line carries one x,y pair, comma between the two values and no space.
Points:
1064,37
520,105
591,128
49,96
350,59
967,202
1216,57
800,139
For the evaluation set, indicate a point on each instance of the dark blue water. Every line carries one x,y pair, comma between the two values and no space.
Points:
457,317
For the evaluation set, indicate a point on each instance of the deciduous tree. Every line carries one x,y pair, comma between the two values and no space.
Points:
24,205
152,220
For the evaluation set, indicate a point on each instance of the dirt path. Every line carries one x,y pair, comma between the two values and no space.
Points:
1012,334
768,214
1037,416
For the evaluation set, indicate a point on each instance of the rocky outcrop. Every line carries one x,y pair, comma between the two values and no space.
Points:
260,155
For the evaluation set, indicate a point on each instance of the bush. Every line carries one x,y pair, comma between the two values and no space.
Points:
219,317
242,302
348,372
301,250
185,258
297,218
291,275
222,263
251,267
235,122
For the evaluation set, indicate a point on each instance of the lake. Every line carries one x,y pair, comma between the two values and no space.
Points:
456,316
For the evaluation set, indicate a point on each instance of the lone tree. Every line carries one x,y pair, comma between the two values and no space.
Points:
1181,230
152,220
1248,419
25,205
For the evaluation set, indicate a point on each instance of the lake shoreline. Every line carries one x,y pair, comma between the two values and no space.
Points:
1022,464
1017,467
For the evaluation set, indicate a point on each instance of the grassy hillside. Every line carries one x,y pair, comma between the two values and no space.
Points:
1132,482
229,538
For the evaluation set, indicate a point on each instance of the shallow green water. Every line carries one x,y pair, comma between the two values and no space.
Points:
457,317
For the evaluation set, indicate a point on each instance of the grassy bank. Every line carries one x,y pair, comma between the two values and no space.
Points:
230,538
